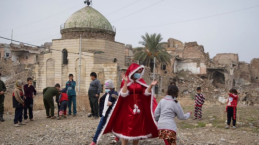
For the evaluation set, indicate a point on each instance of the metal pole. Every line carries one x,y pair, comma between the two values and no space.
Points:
12,37
79,74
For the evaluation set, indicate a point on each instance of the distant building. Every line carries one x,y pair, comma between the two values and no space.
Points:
5,51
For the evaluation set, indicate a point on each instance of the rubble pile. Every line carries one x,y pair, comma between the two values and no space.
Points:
189,82
14,72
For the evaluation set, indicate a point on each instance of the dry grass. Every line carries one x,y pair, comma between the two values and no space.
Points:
82,103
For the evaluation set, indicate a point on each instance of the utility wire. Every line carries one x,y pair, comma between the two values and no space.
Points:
83,54
37,31
49,37
58,26
195,19
18,41
178,21
53,49
138,11
40,19
123,7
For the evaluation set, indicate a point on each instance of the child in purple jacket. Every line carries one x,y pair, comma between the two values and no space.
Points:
29,93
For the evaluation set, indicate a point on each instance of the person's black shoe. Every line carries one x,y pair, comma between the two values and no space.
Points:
90,115
2,118
96,117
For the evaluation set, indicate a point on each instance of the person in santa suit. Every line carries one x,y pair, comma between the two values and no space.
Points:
132,116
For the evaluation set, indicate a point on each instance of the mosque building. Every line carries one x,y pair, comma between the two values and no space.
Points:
89,30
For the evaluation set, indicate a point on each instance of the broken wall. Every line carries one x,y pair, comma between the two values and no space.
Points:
243,75
174,44
193,50
23,57
193,59
255,70
195,66
226,59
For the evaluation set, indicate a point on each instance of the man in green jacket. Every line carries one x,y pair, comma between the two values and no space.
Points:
2,91
48,94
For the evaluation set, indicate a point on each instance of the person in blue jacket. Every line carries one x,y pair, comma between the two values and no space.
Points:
105,106
71,92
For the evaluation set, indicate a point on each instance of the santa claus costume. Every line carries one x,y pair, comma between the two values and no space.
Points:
132,116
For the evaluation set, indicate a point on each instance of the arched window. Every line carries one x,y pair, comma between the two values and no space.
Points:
64,56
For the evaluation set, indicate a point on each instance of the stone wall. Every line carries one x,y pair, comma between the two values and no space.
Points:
193,50
45,71
243,75
176,44
112,50
50,69
87,33
24,57
189,65
255,70
226,59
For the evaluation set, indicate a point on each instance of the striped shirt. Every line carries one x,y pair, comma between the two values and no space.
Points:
199,100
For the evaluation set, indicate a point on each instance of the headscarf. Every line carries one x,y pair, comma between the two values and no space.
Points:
109,84
18,83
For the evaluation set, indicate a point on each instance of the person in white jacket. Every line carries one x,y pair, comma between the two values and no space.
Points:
167,109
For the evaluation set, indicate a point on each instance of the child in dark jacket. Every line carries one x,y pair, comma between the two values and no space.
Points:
105,106
199,101
231,108
29,93
18,103
63,102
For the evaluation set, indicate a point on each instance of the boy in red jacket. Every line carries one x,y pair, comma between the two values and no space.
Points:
231,108
63,102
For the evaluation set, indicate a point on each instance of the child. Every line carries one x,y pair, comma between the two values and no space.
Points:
2,96
106,103
63,101
70,86
29,92
167,109
18,103
232,108
199,101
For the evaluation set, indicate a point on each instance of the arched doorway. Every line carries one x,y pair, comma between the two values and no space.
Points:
50,73
218,79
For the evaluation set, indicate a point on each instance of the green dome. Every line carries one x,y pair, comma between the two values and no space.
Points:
88,17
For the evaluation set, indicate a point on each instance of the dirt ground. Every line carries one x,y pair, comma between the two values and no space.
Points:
80,129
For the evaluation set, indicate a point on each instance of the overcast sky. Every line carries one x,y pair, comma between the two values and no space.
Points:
221,26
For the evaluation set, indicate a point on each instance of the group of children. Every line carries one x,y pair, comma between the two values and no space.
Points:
231,108
167,108
23,100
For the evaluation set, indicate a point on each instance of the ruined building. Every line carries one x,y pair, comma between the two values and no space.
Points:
192,67
5,51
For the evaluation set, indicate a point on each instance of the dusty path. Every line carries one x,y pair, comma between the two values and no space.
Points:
80,129
73,130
